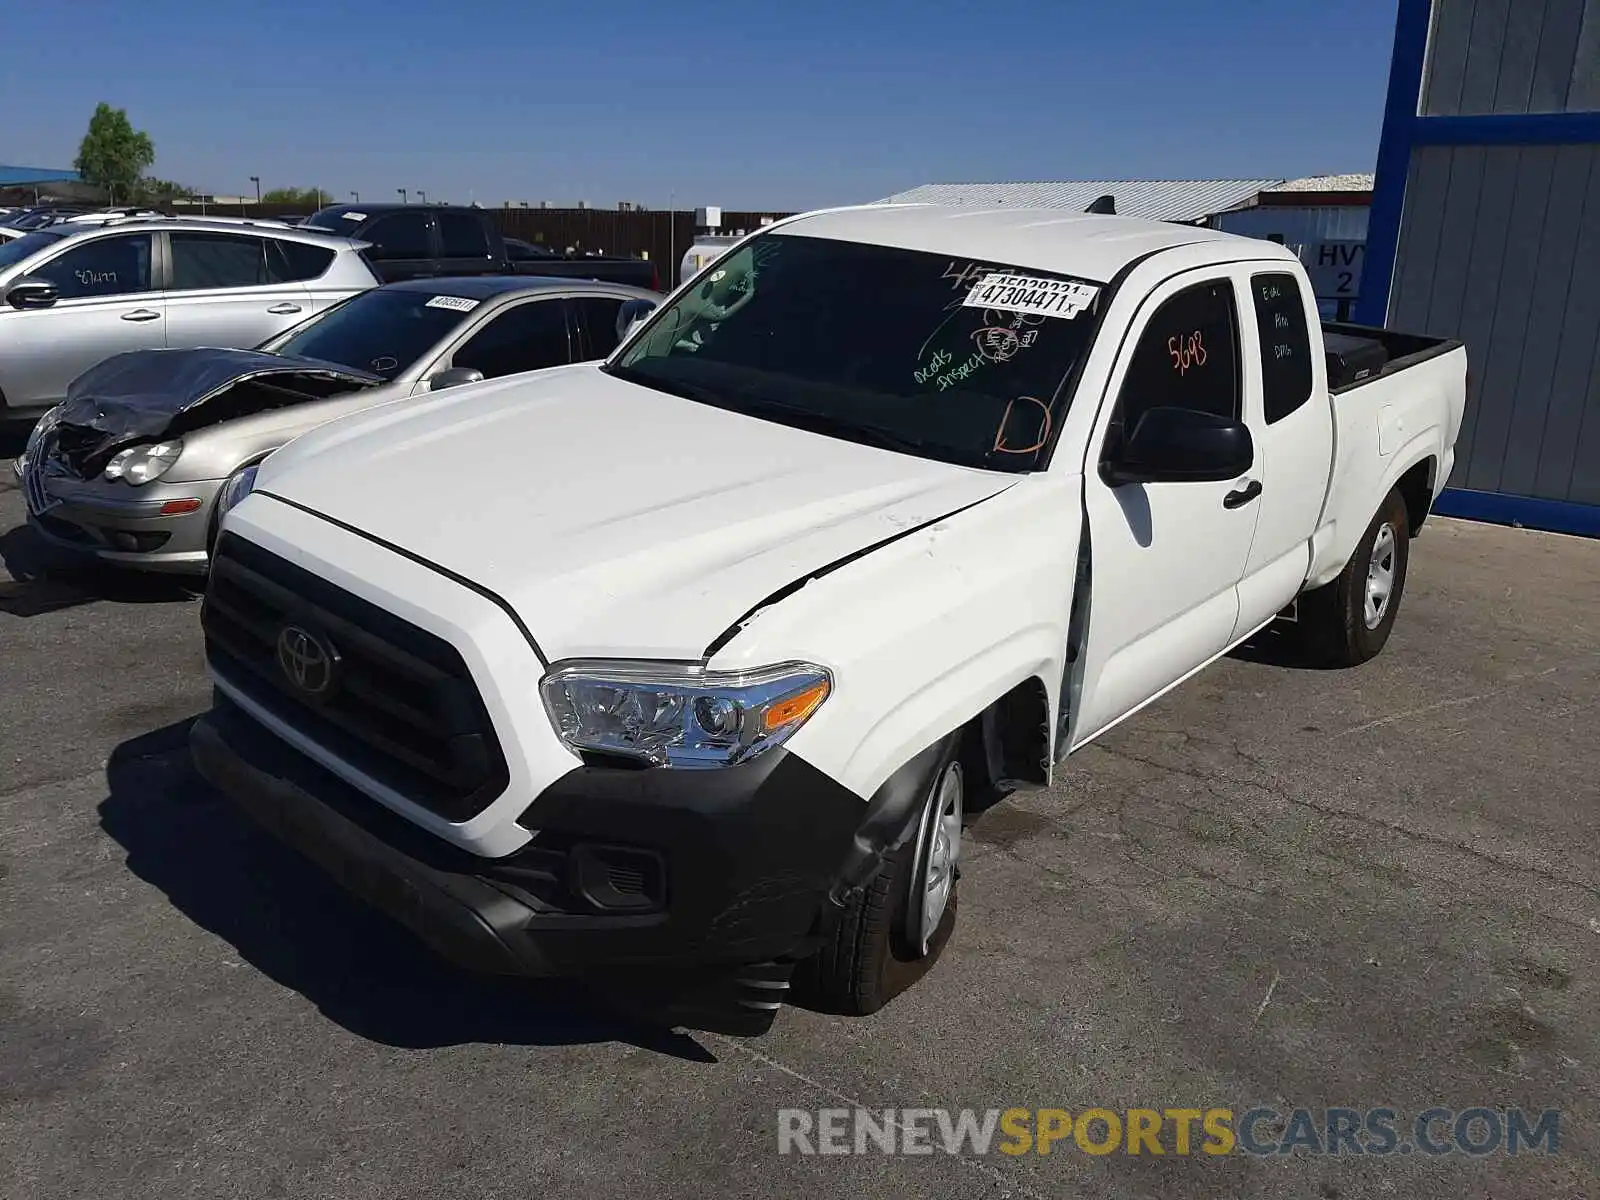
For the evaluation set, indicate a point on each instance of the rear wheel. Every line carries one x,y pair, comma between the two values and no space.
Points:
1347,621
893,930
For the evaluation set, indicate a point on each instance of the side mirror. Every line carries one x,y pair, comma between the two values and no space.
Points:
1181,445
631,315
453,377
32,292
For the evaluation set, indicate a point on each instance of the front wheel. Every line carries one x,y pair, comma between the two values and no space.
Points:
1347,621
893,930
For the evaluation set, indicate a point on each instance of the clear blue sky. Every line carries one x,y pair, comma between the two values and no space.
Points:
754,105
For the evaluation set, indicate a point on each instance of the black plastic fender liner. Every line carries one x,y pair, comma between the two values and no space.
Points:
891,817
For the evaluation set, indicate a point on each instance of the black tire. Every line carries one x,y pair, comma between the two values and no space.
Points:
869,959
1336,625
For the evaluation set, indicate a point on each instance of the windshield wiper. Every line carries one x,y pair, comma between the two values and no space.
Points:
819,422
673,387
787,414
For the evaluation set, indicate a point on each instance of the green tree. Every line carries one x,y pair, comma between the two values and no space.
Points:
160,191
113,154
311,197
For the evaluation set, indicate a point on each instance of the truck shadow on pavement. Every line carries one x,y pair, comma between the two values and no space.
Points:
289,921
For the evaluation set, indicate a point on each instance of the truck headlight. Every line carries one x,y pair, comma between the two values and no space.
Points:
681,715
238,485
144,464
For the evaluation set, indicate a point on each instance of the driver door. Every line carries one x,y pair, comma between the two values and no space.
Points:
1166,557
107,304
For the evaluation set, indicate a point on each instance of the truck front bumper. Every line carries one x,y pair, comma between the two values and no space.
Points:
630,872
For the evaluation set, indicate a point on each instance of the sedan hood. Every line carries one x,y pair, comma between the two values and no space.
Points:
616,520
147,394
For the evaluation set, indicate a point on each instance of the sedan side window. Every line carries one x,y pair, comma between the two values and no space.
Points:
598,315
527,338
1187,357
108,266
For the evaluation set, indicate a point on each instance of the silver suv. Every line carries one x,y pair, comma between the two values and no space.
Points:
75,294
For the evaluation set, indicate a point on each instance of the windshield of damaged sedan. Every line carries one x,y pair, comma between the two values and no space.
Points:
383,331
949,358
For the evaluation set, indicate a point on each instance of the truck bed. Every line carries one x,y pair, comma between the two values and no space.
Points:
1411,408
1400,350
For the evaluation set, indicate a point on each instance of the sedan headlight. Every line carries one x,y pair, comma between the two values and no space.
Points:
143,464
673,715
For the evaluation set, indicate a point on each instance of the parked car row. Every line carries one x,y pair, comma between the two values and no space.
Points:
131,464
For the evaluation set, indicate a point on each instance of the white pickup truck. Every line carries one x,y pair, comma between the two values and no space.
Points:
683,672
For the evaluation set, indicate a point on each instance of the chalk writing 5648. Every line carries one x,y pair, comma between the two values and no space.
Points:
1187,351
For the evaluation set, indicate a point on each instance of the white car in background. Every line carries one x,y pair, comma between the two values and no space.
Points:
72,294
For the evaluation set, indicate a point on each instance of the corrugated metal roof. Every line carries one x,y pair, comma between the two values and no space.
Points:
22,176
1152,199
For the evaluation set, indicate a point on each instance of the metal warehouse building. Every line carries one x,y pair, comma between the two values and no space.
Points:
1485,225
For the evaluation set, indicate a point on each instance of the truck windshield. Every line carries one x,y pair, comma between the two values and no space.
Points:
949,358
383,331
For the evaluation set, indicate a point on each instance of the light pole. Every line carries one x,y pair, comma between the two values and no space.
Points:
422,196
402,192
256,179
356,196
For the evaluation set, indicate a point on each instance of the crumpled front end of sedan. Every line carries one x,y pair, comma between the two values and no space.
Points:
99,472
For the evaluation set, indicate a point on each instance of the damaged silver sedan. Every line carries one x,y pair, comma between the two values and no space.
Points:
135,466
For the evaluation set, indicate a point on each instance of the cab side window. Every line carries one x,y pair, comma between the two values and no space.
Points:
525,338
108,266
1187,357
400,235
462,236
1285,343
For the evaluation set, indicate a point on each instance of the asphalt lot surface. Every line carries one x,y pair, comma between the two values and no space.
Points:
1278,886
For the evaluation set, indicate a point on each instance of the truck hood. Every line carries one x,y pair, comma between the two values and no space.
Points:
614,519
143,395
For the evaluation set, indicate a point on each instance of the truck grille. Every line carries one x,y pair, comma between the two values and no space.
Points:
397,702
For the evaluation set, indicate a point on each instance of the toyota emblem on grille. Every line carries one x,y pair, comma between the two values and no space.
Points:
306,660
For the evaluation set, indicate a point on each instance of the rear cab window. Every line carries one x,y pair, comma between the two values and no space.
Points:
1285,343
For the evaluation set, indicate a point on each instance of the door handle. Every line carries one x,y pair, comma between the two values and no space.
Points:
1243,496
141,314
284,309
